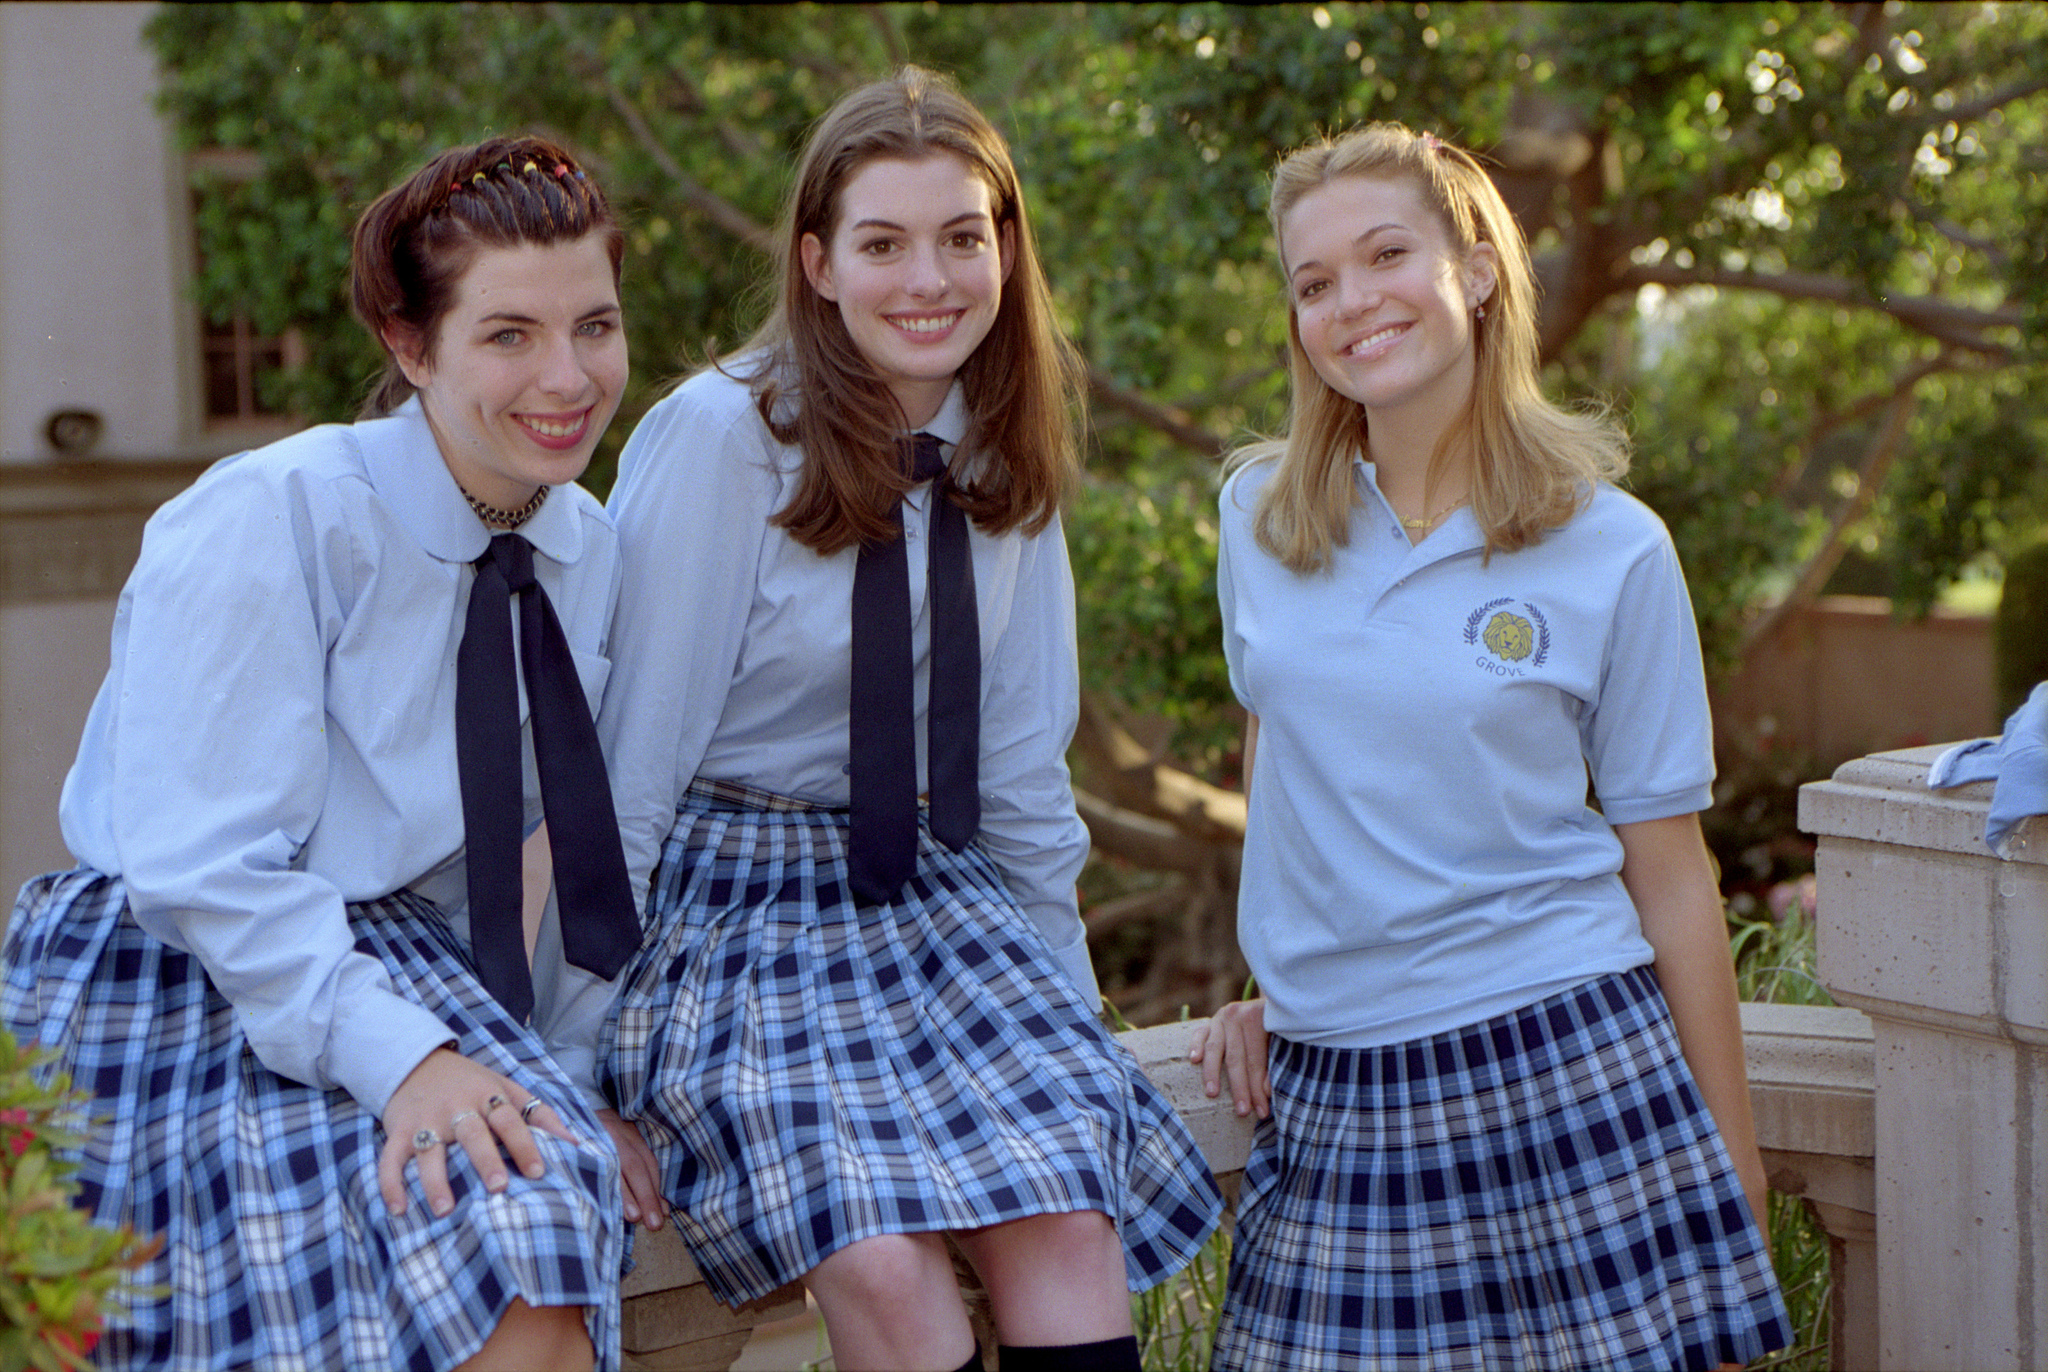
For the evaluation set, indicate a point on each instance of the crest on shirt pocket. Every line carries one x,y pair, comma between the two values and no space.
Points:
1512,636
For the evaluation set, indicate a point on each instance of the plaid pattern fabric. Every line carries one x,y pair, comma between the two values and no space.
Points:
1543,1190
278,1250
812,1074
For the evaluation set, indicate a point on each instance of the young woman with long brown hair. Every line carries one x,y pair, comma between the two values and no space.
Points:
862,1023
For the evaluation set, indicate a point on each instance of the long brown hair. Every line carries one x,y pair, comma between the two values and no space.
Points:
1022,384
1534,463
415,241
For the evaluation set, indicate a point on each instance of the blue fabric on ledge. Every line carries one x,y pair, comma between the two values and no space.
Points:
2017,761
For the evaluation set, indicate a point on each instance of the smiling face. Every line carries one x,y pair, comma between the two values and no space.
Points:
916,264
1382,298
526,368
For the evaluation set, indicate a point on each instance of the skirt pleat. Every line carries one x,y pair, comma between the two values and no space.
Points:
812,1073
278,1250
1542,1190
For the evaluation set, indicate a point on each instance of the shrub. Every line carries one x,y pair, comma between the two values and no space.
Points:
2019,634
59,1272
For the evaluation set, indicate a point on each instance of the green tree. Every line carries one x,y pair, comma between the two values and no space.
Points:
1802,248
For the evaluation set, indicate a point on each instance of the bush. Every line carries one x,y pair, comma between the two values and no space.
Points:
59,1272
2019,634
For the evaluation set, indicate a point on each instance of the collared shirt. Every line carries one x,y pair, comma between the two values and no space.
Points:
1420,853
276,735
733,650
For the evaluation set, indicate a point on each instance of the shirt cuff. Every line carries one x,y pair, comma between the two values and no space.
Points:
374,1047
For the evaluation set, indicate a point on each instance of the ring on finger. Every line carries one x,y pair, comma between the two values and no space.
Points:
456,1123
493,1103
526,1110
425,1139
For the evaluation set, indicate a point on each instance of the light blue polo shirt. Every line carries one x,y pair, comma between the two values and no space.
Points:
1421,853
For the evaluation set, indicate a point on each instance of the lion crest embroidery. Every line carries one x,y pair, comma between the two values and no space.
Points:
1518,635
1511,637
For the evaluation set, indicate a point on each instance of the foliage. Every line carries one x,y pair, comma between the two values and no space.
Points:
1802,250
2020,632
60,1274
1756,224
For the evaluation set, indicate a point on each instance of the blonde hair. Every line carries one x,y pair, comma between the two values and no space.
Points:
1022,383
1534,464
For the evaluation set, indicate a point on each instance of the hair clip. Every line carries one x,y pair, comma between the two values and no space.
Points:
1431,142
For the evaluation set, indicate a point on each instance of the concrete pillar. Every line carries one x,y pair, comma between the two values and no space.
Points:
1946,949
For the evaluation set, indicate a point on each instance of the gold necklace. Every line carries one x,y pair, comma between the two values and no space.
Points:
505,519
1430,521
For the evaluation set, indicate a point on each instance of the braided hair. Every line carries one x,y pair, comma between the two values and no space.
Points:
415,241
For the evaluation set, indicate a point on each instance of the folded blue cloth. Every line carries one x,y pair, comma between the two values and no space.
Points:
2019,763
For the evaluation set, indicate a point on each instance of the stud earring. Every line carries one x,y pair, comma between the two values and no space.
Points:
1479,310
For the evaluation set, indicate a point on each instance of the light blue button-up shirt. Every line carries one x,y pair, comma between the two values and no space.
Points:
732,651
1420,854
276,736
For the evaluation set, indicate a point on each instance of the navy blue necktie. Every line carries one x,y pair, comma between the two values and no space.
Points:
592,896
882,743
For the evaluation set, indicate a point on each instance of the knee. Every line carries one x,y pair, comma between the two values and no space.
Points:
885,1270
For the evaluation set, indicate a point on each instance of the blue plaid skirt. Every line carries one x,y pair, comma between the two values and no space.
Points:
811,1074
1543,1190
278,1251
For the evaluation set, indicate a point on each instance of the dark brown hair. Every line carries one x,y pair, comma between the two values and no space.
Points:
1022,384
415,241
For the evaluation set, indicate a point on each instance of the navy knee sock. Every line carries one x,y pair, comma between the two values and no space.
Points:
1109,1355
973,1363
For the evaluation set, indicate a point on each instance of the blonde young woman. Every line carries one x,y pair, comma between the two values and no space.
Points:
863,1021
1496,1063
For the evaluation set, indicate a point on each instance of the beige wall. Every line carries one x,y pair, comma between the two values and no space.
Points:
94,238
69,534
1843,678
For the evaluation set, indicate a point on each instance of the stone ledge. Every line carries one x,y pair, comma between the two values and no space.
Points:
1884,798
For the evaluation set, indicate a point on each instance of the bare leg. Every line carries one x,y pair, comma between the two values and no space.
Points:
892,1301
530,1337
1053,1279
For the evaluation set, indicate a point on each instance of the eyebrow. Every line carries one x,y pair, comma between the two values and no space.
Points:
1377,228
512,317
969,217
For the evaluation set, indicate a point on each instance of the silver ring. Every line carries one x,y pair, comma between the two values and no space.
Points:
493,1103
526,1110
456,1123
425,1139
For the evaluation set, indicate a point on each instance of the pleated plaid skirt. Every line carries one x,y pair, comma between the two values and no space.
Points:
278,1251
1544,1190
811,1074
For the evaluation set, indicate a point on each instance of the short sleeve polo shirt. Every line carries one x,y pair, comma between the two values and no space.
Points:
1421,853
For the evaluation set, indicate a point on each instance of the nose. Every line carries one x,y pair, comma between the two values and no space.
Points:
927,272
1355,294
562,370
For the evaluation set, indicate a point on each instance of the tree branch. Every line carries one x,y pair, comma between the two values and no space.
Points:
1133,779
1870,475
1140,840
720,211
1959,326
1983,105
1176,424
